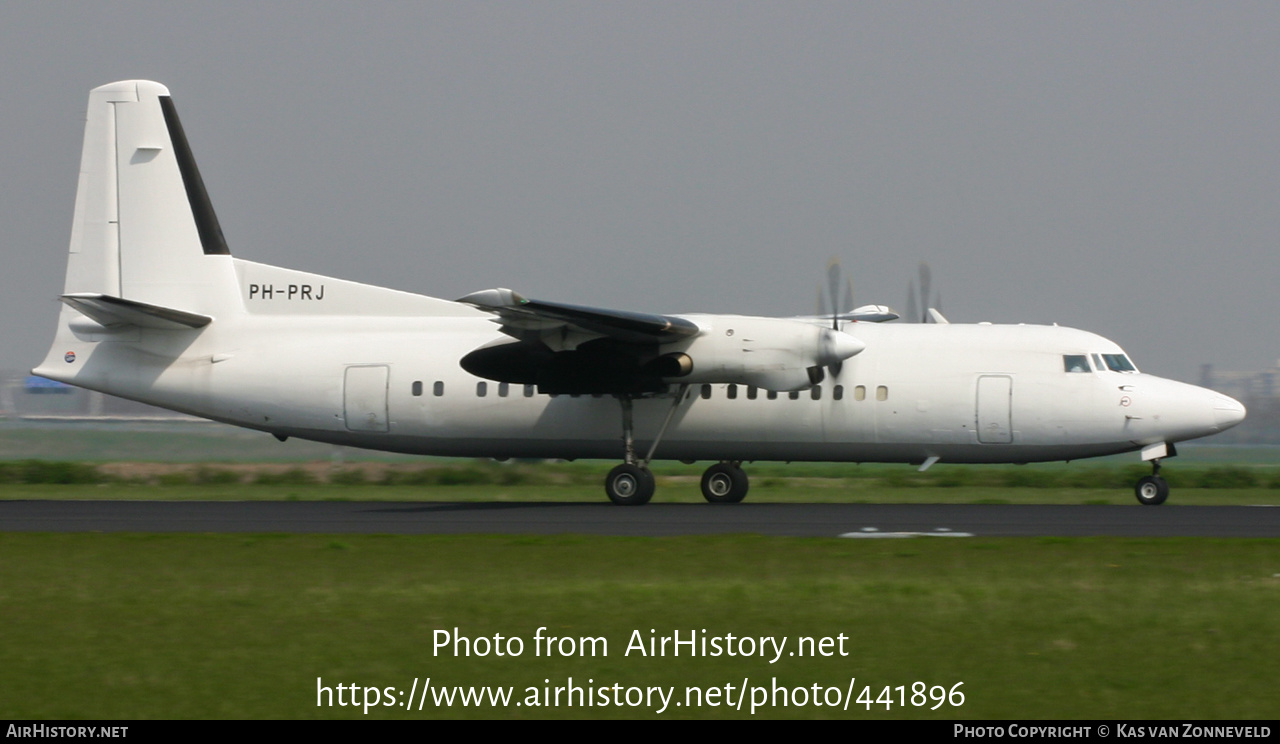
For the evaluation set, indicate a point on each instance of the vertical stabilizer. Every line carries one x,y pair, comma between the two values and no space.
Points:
145,229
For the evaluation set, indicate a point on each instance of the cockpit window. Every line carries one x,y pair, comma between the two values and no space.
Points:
1119,363
1075,363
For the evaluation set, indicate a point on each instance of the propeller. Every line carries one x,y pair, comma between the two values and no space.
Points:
920,313
832,303
835,302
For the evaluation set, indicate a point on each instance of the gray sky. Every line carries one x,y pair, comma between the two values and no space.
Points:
1112,167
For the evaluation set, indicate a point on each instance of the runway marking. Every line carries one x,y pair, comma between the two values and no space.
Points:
872,532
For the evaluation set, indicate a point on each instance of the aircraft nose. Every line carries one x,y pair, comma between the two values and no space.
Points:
1176,411
1227,412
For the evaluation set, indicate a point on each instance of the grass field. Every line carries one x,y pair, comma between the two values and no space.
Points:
241,626
194,626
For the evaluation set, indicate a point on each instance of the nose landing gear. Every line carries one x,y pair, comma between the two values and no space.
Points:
1152,490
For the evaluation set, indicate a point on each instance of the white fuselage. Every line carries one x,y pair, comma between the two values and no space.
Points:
960,393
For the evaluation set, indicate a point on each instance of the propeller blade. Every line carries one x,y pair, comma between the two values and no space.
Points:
833,291
847,304
926,279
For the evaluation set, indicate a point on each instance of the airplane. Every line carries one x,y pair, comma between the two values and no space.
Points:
156,309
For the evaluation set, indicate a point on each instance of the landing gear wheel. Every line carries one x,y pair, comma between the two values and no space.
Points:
724,484
1152,490
629,485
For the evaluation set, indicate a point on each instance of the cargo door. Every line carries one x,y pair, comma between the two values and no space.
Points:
364,397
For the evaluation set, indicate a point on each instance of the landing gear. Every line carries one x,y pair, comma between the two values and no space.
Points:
1152,490
632,484
629,485
724,483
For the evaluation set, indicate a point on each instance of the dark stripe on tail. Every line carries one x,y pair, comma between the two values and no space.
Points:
201,208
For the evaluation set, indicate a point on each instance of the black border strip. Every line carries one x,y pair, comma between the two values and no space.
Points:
201,208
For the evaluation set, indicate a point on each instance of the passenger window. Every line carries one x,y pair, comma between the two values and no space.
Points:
860,392
528,391
815,392
482,388
1075,363
773,395
837,393
437,389
503,389
752,392
417,388
794,395
706,392
732,391
882,393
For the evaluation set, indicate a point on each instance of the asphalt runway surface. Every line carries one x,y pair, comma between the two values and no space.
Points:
653,520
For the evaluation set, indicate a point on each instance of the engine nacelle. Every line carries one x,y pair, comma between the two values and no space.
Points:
770,353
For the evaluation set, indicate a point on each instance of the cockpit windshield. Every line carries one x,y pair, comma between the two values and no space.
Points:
1119,363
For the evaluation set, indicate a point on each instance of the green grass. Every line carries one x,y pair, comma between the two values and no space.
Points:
223,626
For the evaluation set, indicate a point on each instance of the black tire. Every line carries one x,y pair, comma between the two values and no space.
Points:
1152,491
629,485
724,484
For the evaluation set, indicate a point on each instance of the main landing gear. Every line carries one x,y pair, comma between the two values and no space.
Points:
629,484
632,484
724,483
1152,490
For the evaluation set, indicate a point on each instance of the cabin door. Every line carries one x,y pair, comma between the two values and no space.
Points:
995,409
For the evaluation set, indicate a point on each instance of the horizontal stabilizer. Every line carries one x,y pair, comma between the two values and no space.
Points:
116,312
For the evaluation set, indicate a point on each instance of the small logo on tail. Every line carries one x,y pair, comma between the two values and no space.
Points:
70,357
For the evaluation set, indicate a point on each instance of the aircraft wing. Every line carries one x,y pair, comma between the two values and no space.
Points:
524,318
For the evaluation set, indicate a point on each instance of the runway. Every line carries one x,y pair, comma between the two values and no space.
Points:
653,520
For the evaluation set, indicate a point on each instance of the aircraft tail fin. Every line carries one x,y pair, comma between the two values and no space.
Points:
144,229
